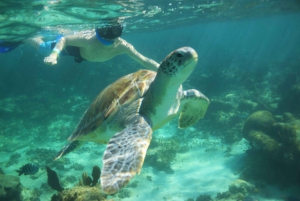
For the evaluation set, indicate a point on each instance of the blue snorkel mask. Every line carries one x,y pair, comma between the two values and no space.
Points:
102,40
107,33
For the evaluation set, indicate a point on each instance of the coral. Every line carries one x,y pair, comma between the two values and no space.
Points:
13,159
238,190
275,149
77,166
53,180
183,148
247,105
35,194
149,178
288,132
70,179
258,131
163,153
80,193
260,140
203,198
219,105
10,188
241,186
96,175
86,180
83,192
44,157
259,121
233,133
224,113
124,193
263,132
133,184
263,169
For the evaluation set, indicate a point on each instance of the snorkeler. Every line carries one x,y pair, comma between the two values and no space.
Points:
100,45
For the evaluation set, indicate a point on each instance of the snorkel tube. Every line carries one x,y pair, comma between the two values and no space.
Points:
105,42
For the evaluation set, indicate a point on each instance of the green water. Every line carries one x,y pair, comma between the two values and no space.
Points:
248,61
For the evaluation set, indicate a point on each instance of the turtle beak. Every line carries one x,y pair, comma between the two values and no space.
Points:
191,55
190,60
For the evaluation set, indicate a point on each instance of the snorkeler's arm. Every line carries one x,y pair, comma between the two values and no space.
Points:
52,58
144,61
74,40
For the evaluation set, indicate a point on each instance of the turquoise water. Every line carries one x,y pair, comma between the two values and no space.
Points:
248,62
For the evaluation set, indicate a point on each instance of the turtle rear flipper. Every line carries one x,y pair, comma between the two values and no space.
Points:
69,148
194,105
124,155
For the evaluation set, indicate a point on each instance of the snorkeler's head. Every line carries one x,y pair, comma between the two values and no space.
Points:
110,32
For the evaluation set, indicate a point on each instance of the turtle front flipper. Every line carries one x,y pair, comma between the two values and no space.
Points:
193,107
124,155
68,148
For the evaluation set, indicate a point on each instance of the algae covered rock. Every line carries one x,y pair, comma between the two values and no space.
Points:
161,153
289,131
238,190
10,188
124,193
258,130
264,132
259,121
80,193
275,149
260,140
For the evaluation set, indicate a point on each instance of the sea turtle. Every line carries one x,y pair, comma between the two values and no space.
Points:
125,114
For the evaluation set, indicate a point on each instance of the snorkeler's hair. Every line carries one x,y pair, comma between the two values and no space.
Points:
110,22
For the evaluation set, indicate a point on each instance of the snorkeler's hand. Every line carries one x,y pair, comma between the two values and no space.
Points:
51,59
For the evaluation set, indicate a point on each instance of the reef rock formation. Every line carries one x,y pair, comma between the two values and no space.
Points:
258,130
161,153
238,190
10,188
80,193
275,148
280,134
288,131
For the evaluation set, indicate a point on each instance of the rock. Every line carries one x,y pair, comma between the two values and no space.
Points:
259,121
80,193
258,130
275,149
260,140
10,188
238,190
288,132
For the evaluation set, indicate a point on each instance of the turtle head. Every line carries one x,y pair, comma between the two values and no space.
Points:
179,64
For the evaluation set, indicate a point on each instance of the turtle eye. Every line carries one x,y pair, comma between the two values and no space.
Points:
179,55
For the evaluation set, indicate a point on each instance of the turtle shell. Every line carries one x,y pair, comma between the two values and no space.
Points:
105,106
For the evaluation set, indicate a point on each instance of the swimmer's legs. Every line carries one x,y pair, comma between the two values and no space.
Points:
7,46
34,42
43,48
